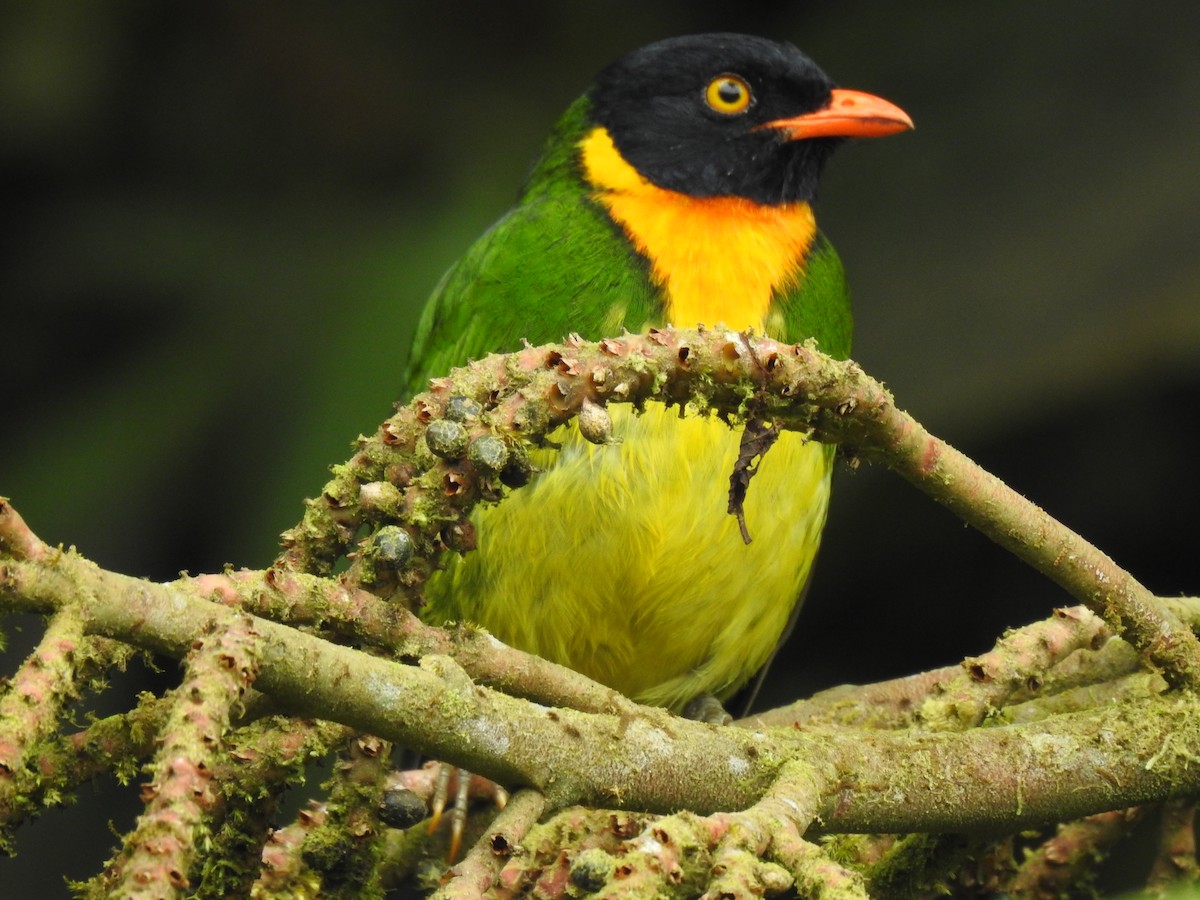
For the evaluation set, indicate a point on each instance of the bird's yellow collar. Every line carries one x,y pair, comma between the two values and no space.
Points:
718,260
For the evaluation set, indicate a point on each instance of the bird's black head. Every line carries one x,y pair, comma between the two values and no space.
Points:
731,115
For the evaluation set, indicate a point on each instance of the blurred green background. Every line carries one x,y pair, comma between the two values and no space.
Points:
220,220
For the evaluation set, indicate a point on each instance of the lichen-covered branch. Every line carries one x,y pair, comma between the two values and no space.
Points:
284,872
814,872
884,704
1093,733
1063,767
1027,662
1175,862
1077,847
422,491
334,608
264,759
480,870
342,848
30,709
157,856
1017,662
17,540
58,765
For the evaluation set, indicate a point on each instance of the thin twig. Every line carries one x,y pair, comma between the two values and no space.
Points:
1175,862
480,869
1077,847
284,872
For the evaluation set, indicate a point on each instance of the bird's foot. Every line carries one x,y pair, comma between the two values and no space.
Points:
437,782
707,708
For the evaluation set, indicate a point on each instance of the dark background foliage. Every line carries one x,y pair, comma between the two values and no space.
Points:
220,221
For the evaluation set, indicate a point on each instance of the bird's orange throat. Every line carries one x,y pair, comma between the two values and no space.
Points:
718,260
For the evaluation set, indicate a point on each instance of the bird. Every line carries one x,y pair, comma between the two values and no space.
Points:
678,189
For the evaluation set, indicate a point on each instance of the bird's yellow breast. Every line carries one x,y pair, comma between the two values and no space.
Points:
621,561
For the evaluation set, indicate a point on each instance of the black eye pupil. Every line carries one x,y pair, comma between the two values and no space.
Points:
729,92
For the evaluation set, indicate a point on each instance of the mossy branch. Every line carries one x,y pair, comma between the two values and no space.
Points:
658,762
900,757
181,796
398,478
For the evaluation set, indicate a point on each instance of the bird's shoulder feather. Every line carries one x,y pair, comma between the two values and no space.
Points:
816,305
555,264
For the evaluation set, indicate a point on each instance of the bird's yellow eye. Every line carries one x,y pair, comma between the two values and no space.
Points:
728,94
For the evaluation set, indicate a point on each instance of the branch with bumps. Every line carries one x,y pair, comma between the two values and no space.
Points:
414,482
160,850
901,757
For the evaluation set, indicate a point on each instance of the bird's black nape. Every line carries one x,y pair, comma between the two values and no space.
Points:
653,103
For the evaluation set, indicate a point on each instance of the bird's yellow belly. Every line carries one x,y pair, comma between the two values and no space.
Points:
620,561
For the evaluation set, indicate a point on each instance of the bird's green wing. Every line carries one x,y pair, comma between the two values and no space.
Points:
818,307
555,264
552,266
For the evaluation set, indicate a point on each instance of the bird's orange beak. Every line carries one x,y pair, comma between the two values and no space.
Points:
849,114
